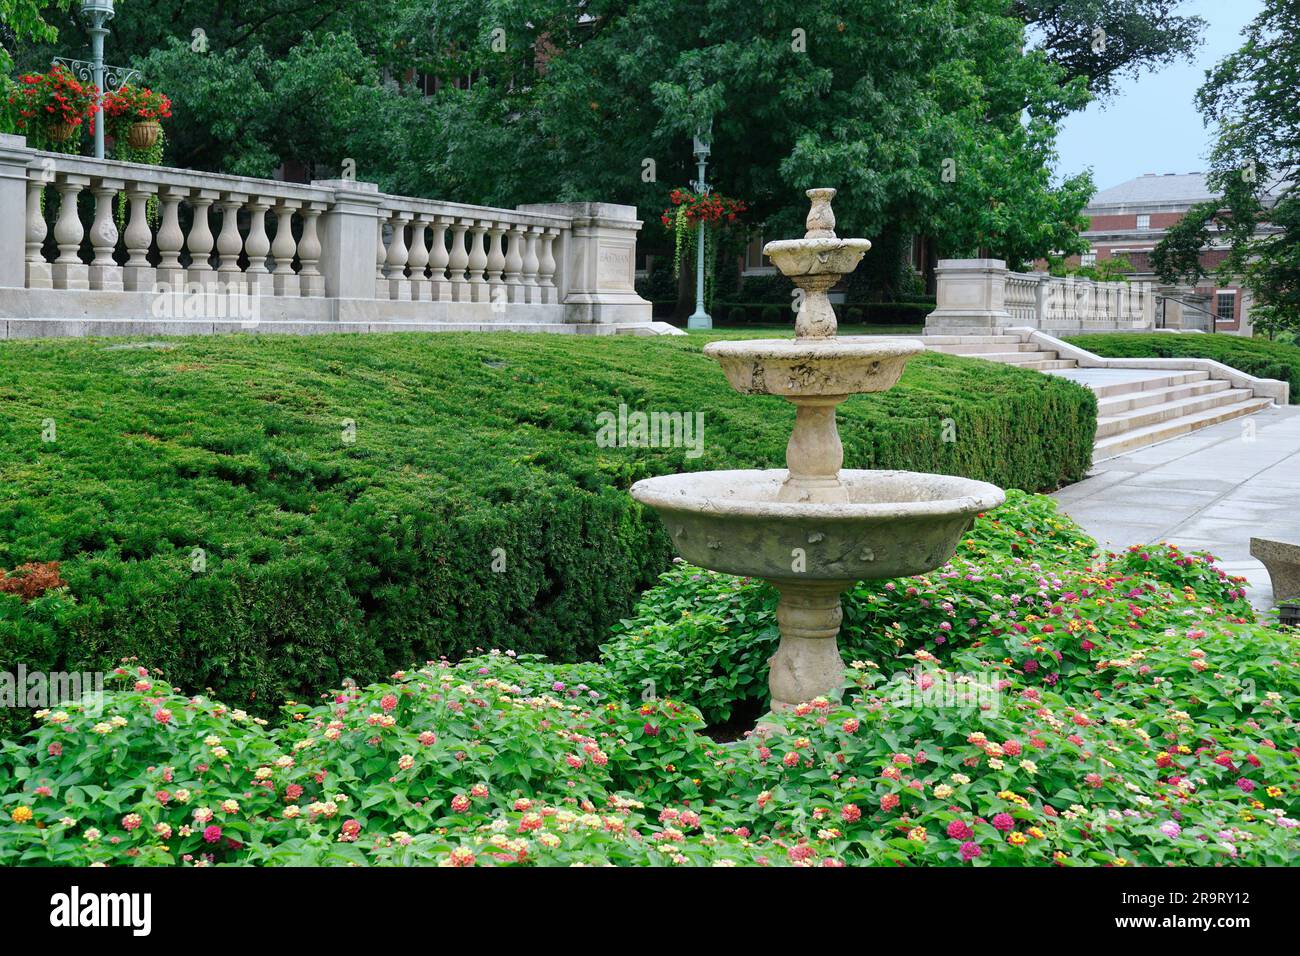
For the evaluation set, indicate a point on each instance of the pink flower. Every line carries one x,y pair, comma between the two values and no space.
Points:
162,715
1011,748
851,725
460,803
388,703
1171,829
960,830
851,813
888,802
1246,785
969,851
212,834
791,759
1004,822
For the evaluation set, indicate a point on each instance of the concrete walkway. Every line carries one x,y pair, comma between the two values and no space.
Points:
1209,490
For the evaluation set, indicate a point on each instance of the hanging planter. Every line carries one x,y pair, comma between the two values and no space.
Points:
51,109
62,132
144,134
683,219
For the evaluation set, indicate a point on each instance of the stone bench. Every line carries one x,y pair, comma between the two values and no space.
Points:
1282,559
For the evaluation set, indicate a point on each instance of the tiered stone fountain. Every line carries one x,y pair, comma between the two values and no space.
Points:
811,529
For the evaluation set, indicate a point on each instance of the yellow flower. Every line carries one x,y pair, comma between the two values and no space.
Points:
1274,792
21,814
916,834
1017,839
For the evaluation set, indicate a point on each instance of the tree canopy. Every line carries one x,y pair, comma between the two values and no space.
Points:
931,117
1250,98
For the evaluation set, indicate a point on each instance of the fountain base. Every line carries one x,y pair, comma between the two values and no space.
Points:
807,664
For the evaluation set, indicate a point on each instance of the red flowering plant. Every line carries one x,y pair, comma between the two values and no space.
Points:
51,108
687,212
135,104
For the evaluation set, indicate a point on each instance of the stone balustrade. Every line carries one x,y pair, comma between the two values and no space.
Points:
102,247
980,296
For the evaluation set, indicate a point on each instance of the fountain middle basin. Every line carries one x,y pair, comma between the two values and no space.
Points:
894,523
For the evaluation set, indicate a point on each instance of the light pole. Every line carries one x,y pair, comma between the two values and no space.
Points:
99,12
700,319
106,78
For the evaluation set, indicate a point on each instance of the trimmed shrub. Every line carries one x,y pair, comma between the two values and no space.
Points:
268,515
1258,357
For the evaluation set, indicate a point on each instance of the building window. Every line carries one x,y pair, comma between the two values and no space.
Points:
1144,222
1088,259
1225,306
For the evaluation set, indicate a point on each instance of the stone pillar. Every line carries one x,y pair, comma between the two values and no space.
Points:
39,275
310,280
14,221
105,273
440,286
199,241
284,280
69,271
399,287
138,275
971,298
170,239
596,262
1042,299
258,247
417,259
349,240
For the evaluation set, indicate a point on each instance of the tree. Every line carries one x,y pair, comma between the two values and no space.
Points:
1250,98
1102,41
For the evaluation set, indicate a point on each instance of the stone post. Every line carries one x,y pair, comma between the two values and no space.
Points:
349,239
596,262
14,157
970,298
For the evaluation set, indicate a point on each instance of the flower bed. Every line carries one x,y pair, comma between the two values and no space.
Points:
1101,711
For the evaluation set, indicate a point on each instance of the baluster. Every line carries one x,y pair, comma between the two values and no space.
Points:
479,290
258,247
440,289
549,292
170,239
229,242
459,260
399,287
38,270
532,287
515,263
381,256
417,259
105,273
285,281
69,272
496,263
138,275
309,249
199,243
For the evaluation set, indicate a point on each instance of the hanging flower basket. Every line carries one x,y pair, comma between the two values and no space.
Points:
50,108
144,134
62,132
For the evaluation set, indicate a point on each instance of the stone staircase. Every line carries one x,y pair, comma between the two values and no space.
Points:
1135,407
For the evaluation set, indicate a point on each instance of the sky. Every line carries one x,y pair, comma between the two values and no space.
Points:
1151,125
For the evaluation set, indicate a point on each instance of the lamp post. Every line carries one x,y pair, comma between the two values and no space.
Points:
105,77
98,12
700,319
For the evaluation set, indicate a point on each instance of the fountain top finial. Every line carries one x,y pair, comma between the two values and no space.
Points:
821,219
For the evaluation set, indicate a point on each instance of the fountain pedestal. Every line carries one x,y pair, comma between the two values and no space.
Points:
812,529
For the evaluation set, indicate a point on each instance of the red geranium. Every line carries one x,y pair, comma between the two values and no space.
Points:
43,100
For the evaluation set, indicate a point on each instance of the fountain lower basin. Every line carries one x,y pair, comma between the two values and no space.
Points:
893,524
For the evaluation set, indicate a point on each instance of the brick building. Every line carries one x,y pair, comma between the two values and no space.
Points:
1130,218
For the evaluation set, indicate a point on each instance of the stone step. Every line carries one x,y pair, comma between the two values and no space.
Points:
1125,401
1048,365
979,348
1165,411
1017,358
1141,437
932,340
1145,384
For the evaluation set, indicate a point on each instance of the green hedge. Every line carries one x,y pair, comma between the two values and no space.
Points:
862,313
328,558
1253,356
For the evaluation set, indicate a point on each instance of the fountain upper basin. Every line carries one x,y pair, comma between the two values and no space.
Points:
895,523
814,257
847,365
